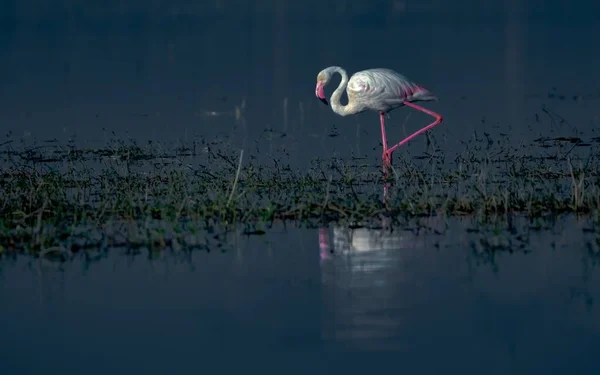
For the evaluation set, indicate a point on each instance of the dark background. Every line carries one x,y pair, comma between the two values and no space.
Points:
172,70
168,71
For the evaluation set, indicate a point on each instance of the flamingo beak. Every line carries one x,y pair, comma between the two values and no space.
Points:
320,92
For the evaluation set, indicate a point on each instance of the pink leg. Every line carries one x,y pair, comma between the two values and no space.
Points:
386,156
386,187
387,160
438,120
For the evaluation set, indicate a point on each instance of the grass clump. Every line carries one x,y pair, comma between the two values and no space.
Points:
49,193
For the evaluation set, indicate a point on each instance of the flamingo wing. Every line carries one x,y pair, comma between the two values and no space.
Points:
384,89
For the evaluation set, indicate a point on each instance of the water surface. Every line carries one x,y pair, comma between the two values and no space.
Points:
178,71
241,74
528,307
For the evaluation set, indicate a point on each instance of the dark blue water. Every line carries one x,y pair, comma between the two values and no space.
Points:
242,74
145,73
433,302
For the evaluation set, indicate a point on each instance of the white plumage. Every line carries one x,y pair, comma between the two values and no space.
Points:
380,90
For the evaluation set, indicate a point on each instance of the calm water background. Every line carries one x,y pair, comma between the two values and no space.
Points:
160,71
439,302
175,71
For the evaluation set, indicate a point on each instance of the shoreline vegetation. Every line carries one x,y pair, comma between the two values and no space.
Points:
53,193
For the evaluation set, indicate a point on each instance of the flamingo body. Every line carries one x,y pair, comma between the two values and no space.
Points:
380,90
383,90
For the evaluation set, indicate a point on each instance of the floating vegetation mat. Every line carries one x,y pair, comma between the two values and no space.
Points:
52,192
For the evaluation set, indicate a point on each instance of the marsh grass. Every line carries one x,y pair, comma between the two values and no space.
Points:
53,193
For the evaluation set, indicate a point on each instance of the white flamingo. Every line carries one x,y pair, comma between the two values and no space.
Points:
381,90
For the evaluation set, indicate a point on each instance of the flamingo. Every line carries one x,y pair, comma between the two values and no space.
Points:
381,90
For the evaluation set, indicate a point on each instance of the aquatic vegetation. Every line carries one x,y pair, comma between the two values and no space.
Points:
53,192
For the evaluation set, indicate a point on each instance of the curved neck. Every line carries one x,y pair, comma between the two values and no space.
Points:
337,107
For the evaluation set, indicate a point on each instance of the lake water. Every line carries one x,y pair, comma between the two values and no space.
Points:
430,292
510,67
242,74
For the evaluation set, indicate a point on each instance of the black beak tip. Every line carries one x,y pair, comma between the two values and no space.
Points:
324,101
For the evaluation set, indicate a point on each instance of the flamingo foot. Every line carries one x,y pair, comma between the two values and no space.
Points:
387,158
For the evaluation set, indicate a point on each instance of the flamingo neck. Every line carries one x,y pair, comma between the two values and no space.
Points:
336,106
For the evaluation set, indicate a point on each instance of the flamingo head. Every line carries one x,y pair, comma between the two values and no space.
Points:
322,79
